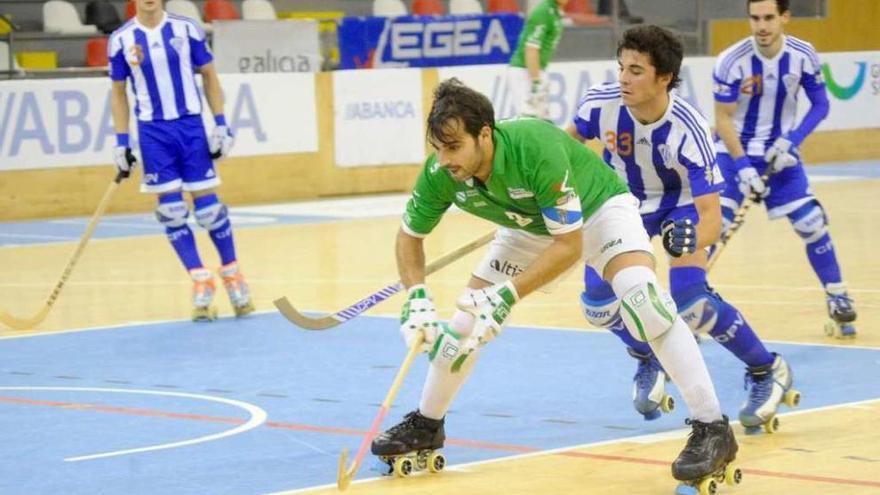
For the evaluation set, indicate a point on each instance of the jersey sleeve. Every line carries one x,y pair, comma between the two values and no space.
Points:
586,117
429,201
697,154
811,73
119,69
200,54
726,80
555,193
536,26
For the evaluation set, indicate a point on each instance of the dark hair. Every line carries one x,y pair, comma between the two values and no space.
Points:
781,5
661,45
453,101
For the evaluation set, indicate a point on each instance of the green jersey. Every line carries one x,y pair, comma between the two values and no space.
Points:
542,181
543,30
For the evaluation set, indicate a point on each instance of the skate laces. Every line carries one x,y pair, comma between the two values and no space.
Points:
761,386
695,438
840,303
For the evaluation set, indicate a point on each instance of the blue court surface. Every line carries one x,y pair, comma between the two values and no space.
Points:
255,406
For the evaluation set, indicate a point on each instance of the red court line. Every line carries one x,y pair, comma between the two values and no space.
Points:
503,447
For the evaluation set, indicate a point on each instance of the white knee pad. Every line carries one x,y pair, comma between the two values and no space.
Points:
462,323
648,311
812,226
172,214
701,313
600,313
212,216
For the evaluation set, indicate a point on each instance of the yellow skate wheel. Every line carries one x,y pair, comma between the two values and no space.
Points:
733,475
831,329
792,398
403,467
244,310
772,424
667,404
708,486
204,314
436,462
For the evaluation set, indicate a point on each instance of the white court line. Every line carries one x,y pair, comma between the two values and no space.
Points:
641,439
257,417
37,236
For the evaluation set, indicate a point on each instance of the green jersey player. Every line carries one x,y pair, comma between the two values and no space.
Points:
555,203
526,81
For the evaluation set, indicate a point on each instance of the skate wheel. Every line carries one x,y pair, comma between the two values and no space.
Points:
772,425
708,487
733,475
847,332
403,467
792,398
752,430
667,404
684,489
436,462
830,329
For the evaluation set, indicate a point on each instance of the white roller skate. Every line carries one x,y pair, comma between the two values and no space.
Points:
769,385
237,288
841,312
649,387
203,295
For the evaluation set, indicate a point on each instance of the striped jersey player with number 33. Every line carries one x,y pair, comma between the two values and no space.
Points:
555,204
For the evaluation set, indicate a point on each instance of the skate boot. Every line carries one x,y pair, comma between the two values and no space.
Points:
203,295
649,387
237,288
411,446
841,311
707,459
768,385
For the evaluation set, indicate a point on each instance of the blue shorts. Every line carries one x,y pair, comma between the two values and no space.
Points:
653,221
176,156
789,189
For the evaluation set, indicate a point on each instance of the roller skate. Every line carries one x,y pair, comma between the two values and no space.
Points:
203,295
237,288
708,459
649,387
411,446
841,311
768,385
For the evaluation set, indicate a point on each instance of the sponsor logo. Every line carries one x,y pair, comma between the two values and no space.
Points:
610,244
135,55
417,40
176,43
374,110
644,141
460,197
663,151
271,62
210,173
505,267
519,193
730,333
753,85
845,92
480,204
151,178
792,83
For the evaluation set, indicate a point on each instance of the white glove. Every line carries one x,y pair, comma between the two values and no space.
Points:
750,183
490,307
419,316
536,102
221,142
124,159
779,156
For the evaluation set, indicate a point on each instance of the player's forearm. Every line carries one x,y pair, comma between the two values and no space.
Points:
533,62
553,262
709,227
119,109
727,132
410,254
213,91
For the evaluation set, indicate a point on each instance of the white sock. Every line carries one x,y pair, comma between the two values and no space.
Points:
442,385
678,352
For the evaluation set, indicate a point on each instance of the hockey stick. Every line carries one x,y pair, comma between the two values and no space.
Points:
28,323
344,476
341,316
739,218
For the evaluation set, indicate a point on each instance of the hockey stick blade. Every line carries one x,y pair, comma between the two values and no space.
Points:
23,323
324,322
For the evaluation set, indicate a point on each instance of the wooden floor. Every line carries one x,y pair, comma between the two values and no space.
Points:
764,272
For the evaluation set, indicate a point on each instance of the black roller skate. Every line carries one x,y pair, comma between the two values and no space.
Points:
841,312
411,446
649,387
707,459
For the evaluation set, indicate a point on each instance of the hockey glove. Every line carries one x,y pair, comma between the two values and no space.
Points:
490,307
781,155
419,315
751,185
123,156
679,237
221,140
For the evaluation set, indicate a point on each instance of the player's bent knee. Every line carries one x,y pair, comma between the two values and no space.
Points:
172,214
600,313
809,221
213,216
648,311
700,310
462,323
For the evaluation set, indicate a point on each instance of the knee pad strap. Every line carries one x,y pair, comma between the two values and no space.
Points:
172,214
600,313
212,216
809,221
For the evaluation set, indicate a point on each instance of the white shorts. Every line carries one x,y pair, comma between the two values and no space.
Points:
615,228
519,86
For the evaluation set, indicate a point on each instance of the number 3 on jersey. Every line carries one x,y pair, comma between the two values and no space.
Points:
622,143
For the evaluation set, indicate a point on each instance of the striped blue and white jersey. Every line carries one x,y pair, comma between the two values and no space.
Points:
666,163
160,64
765,90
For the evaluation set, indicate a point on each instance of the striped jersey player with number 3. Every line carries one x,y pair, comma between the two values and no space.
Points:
556,204
159,54
663,148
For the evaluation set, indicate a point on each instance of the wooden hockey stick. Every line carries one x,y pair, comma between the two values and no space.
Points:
344,476
28,323
341,316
